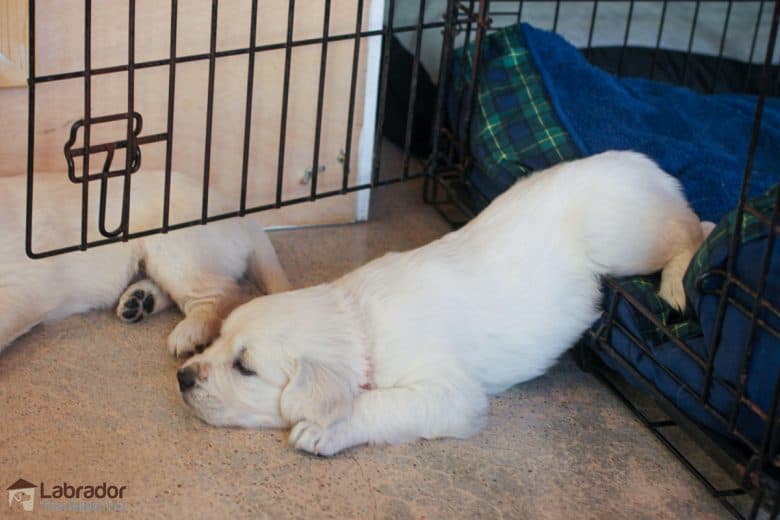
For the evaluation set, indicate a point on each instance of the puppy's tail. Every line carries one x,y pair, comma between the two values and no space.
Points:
264,265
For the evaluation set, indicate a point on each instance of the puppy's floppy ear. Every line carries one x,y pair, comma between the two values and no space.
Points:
316,392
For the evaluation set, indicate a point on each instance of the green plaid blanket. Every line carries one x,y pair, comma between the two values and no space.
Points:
715,249
514,129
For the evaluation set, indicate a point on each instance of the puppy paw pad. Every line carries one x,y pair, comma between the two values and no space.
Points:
148,303
135,306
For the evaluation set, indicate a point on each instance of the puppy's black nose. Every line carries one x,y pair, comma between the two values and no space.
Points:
186,377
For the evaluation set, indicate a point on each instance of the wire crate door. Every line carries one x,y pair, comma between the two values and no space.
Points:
267,102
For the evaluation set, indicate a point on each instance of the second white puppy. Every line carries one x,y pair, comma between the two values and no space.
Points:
409,345
196,268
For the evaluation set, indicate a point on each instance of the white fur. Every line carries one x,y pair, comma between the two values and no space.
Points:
197,267
436,329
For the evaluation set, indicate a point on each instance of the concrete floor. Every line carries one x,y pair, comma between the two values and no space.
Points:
89,400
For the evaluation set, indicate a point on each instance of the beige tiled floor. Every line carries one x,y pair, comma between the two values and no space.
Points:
88,399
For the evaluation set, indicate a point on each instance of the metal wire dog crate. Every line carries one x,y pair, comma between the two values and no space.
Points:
444,26
753,463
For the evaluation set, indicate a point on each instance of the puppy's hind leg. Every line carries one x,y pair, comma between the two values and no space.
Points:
685,238
672,289
142,299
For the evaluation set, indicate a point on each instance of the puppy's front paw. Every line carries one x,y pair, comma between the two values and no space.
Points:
192,335
313,438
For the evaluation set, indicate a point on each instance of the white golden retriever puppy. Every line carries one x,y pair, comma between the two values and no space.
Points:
410,345
197,268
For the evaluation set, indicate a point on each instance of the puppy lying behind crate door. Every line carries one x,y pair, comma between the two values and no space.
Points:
196,268
410,345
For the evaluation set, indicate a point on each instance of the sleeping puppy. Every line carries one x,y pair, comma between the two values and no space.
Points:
197,268
410,345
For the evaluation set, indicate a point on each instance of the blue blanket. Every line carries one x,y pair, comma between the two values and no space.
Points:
700,139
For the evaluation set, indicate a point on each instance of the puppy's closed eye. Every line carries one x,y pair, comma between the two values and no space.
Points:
242,369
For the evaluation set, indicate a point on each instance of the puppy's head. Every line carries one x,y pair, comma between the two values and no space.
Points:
272,365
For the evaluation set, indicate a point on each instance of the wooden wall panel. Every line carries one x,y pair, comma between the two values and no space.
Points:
13,43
